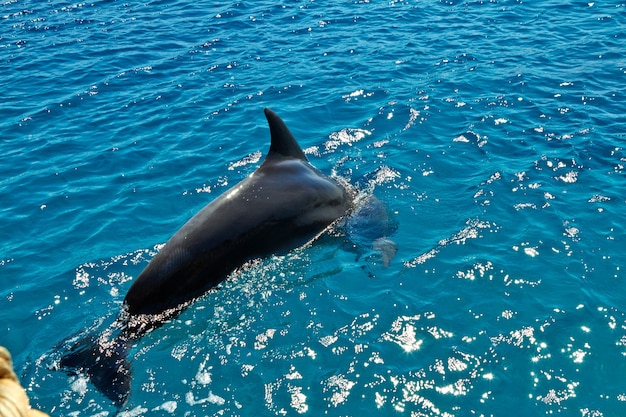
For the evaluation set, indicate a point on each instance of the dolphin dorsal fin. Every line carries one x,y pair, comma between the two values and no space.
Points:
282,141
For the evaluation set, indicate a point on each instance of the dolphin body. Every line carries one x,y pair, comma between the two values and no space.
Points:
284,204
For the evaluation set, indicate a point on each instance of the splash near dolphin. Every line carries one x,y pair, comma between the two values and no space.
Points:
285,203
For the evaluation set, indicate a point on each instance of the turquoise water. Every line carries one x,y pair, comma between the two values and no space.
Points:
493,131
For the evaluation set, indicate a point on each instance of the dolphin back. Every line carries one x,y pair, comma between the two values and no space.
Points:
282,205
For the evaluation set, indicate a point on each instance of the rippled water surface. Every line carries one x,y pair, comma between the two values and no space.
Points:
493,131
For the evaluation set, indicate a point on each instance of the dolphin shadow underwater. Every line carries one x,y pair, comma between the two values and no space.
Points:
284,204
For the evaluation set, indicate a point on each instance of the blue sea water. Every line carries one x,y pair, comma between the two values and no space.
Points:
493,131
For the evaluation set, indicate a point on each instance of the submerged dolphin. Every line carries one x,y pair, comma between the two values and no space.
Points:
284,204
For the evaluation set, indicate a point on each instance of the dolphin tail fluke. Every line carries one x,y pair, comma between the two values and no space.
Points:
105,363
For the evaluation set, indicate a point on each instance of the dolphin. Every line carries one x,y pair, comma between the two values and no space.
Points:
284,204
